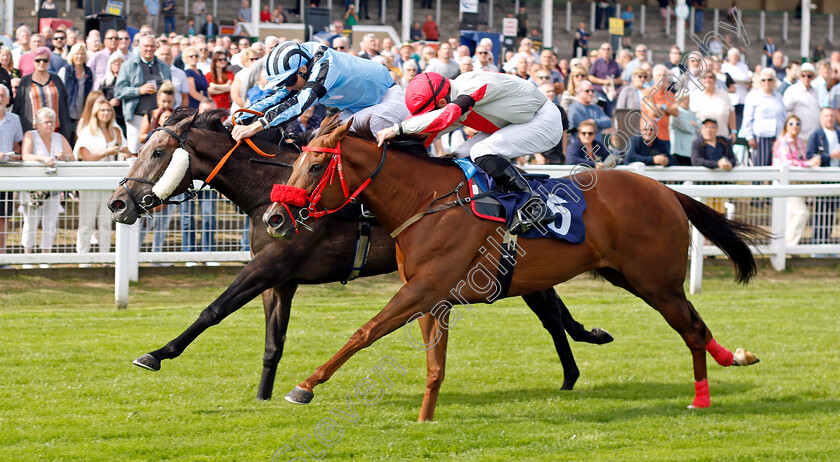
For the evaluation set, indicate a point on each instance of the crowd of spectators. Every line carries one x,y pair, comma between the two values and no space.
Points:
97,98
65,97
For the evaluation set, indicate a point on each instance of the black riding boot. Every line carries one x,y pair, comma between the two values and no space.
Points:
507,176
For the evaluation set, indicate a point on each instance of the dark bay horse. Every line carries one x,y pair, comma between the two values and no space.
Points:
637,237
277,268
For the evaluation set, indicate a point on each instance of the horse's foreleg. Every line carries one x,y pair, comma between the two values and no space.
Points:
278,304
545,305
436,337
248,284
412,298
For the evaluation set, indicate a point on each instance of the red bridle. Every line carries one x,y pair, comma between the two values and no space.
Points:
290,195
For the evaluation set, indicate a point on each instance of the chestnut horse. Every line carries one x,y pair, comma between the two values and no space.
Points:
277,268
637,237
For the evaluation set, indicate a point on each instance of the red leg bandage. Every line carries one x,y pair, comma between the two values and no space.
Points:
288,195
701,394
723,356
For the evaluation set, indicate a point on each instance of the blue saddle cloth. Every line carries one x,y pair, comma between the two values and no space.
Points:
561,195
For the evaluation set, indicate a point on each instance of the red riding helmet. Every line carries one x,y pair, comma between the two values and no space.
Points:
424,91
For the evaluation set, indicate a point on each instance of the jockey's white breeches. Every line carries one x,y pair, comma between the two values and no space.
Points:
386,113
540,134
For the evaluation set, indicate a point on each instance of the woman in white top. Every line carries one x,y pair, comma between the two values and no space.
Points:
46,146
239,87
714,103
100,140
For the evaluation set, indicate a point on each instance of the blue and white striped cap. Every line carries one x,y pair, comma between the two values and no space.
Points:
283,61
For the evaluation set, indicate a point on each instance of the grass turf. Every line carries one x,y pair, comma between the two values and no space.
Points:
69,392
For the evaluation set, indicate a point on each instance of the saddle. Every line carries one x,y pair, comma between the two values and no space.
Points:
485,205
561,195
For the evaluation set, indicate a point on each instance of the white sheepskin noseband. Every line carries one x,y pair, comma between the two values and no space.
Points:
173,175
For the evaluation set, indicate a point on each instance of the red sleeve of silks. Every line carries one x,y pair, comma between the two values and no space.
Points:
448,115
454,110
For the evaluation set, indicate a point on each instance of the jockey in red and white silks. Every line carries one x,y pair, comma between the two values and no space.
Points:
513,117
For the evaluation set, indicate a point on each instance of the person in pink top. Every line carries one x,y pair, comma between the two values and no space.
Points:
789,150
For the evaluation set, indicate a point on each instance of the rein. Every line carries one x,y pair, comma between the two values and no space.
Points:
458,201
285,194
226,156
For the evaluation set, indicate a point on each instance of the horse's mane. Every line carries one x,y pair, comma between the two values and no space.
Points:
213,120
207,120
409,144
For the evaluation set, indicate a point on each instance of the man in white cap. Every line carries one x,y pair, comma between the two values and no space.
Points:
803,100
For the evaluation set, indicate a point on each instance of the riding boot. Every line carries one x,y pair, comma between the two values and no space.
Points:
507,176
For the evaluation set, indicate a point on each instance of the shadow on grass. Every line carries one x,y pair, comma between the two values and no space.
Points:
792,407
633,401
226,411
659,390
608,391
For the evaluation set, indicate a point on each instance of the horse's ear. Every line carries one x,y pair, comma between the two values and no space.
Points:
185,123
338,133
342,130
328,123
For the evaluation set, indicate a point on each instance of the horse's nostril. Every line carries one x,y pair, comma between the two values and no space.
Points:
117,205
275,220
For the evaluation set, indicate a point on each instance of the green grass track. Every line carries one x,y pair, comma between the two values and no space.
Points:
68,390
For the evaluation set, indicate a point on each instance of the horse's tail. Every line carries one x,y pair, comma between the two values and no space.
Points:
731,236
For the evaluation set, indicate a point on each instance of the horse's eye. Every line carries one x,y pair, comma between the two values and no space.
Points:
316,168
158,152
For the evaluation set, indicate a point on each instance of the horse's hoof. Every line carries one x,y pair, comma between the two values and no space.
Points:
148,361
300,396
602,336
744,358
568,385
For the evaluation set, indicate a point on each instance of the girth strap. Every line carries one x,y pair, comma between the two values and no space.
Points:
507,260
360,252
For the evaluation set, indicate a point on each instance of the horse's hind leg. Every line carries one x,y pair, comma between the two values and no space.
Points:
576,331
664,292
617,278
278,304
546,305
678,312
681,316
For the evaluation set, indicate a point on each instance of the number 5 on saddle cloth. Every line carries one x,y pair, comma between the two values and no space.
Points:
563,197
